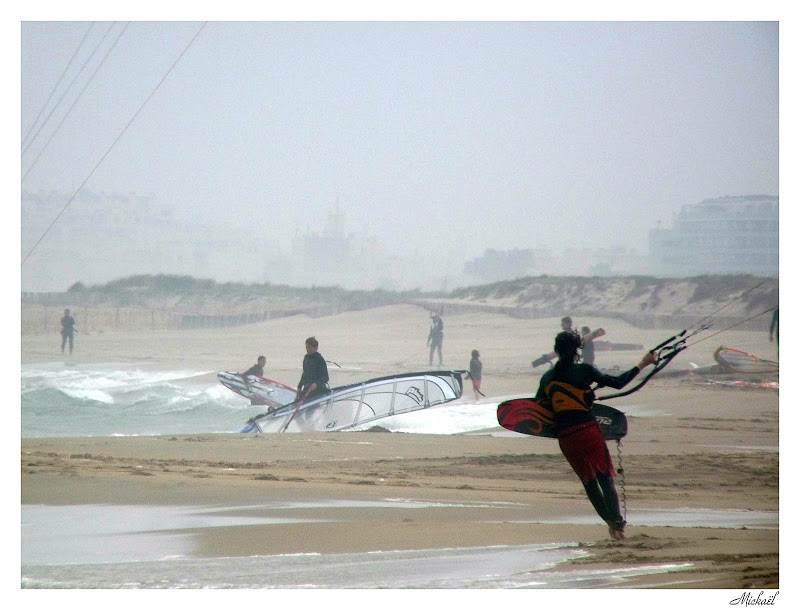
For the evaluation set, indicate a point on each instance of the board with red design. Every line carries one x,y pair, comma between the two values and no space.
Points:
529,416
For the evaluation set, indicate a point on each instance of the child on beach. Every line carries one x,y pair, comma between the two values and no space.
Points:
475,373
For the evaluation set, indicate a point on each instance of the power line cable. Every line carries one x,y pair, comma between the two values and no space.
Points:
110,148
733,326
75,101
58,82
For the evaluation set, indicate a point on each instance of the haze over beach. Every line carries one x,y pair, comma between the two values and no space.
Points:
199,193
401,150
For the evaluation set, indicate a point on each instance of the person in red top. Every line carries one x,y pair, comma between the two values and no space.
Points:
567,386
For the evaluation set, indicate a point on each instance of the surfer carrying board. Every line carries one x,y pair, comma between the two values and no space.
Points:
587,348
568,388
566,326
314,380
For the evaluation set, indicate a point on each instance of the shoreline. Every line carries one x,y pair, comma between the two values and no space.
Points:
474,491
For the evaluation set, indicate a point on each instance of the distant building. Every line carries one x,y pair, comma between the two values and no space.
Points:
725,235
497,265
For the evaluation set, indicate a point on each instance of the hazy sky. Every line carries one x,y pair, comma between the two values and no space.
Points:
445,138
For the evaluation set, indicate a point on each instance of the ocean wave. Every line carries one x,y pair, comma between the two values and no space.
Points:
109,400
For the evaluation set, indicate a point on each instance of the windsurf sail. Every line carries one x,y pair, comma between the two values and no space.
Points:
353,405
736,361
259,390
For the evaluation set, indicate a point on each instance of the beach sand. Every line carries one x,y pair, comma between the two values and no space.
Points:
691,447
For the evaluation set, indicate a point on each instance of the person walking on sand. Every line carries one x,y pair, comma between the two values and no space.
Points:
314,381
475,373
67,330
436,337
567,386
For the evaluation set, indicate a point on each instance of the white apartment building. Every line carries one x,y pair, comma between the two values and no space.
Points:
724,235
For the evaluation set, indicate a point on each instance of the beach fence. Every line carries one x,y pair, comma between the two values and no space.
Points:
38,319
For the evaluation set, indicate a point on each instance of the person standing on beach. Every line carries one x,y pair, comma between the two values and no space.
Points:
587,347
475,373
436,337
566,326
567,387
773,330
67,330
314,381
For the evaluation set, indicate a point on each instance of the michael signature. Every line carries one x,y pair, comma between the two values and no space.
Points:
747,599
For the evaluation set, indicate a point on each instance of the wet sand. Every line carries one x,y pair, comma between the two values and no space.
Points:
691,446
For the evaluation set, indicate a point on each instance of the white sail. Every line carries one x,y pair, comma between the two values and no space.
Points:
361,403
264,391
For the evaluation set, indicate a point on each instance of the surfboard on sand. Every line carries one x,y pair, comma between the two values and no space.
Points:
259,390
528,416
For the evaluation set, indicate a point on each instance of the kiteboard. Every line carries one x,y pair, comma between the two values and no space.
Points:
259,390
529,416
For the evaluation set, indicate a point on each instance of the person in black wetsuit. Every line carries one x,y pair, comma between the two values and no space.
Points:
67,330
567,386
314,381
258,370
436,337
566,326
773,330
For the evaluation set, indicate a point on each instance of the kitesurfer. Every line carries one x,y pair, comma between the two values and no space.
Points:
475,373
67,330
314,381
436,337
568,388
258,370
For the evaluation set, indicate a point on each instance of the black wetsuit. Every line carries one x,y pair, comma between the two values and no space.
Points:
435,339
254,370
315,370
67,332
581,375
